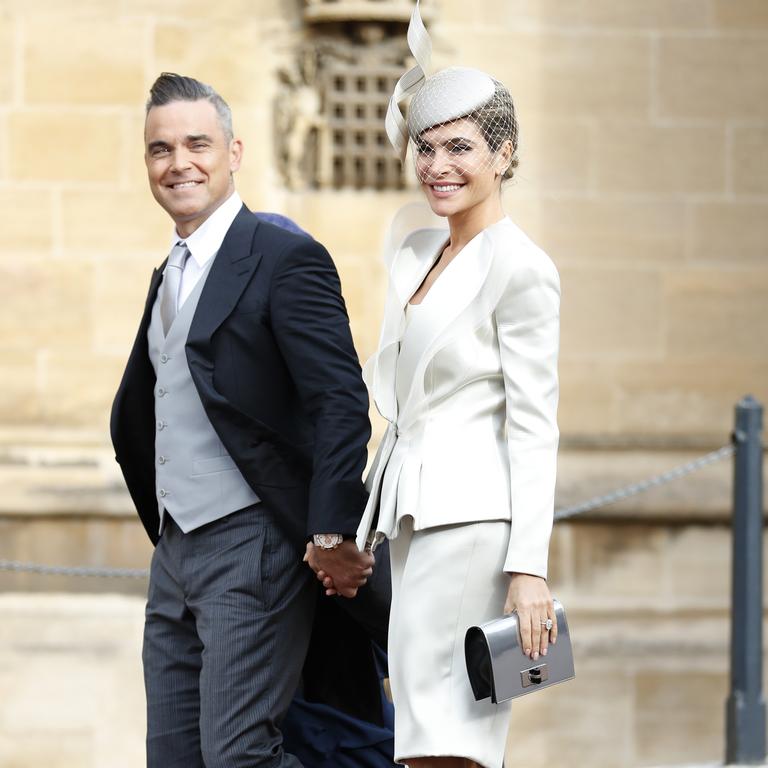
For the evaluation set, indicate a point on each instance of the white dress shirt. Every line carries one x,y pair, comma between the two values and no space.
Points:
204,243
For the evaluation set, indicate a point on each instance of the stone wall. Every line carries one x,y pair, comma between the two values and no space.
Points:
80,229
644,174
646,583
648,613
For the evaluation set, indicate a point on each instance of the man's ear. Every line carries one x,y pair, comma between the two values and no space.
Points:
235,154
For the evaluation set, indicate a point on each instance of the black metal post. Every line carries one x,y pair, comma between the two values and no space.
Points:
745,721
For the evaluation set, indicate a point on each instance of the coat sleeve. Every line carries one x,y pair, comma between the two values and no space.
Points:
528,325
311,328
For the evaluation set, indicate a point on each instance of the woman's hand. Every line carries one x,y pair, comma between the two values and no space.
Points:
529,597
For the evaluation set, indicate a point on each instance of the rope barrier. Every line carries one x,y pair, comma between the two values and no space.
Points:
563,513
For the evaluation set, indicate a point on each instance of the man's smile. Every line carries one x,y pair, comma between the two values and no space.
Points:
184,184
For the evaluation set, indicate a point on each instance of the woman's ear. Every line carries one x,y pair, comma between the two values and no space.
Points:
504,157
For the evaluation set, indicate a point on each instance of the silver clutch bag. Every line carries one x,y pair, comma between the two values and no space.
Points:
499,669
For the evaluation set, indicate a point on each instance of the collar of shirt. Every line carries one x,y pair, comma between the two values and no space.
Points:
206,240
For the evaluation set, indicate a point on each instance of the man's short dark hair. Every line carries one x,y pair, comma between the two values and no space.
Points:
171,87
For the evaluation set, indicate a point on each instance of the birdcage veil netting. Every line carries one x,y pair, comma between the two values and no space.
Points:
458,117
461,121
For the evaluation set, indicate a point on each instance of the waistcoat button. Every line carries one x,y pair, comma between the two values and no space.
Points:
163,492
163,358
161,459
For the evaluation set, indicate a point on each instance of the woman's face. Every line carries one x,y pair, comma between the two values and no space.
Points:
455,166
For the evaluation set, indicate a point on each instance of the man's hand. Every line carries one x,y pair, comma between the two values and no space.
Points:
342,570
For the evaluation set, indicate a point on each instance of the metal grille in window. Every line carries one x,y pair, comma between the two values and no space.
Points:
356,103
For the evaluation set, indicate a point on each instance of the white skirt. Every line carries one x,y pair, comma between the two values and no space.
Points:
444,580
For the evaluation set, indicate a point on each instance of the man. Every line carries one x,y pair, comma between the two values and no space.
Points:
240,426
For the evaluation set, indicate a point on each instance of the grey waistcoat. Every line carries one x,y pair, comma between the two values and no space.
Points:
196,479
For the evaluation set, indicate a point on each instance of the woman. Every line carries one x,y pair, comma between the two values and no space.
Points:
466,374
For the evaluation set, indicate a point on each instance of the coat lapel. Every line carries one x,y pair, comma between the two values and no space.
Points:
408,270
231,271
154,287
138,364
456,286
467,298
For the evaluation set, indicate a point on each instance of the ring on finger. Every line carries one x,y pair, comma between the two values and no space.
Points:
546,624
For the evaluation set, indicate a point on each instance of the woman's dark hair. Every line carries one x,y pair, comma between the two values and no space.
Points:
497,122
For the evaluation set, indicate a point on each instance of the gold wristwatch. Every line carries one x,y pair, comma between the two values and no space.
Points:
327,540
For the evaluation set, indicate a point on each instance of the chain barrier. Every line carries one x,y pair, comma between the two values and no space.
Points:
652,482
563,513
63,570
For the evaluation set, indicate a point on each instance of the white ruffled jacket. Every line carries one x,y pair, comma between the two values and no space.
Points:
475,434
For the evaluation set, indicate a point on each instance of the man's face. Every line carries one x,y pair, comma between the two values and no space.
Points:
189,161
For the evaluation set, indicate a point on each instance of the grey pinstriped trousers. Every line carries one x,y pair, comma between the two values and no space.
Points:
228,619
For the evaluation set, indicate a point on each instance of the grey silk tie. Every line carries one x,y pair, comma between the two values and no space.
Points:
169,301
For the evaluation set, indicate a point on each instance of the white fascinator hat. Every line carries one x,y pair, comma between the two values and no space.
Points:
448,95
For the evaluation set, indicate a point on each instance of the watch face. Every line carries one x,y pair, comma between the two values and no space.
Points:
327,540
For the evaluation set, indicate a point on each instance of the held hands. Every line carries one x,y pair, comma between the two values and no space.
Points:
529,597
342,570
